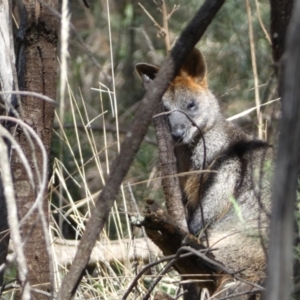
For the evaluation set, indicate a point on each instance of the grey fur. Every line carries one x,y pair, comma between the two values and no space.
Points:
234,195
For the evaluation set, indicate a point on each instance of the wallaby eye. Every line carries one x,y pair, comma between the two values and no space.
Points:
192,105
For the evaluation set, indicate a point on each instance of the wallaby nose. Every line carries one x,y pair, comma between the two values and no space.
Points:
178,132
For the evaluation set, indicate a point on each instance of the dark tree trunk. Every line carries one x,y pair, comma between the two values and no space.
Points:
4,235
281,11
37,72
279,282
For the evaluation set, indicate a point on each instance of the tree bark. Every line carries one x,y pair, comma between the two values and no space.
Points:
168,165
168,168
37,72
279,280
280,15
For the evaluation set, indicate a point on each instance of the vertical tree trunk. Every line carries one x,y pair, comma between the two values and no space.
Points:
279,281
280,15
7,73
37,72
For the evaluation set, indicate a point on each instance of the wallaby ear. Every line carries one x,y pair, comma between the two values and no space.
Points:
147,73
147,69
194,66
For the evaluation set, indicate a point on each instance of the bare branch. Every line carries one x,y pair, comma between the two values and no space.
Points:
174,9
150,17
189,37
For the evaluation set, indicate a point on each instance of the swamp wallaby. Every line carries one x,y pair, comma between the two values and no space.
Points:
231,201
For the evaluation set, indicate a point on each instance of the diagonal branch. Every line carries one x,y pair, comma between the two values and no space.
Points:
189,37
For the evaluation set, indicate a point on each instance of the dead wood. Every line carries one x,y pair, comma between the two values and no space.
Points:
168,168
172,239
111,251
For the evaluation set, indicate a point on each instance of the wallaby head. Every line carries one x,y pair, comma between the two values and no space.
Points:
187,98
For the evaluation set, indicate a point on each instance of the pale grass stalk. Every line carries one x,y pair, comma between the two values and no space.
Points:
56,161
95,154
81,203
72,100
111,101
115,109
93,143
88,125
93,146
64,38
65,138
57,279
104,135
64,187
114,215
101,90
12,217
248,111
254,70
26,93
262,23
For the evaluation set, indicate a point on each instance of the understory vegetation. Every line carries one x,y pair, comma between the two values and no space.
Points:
102,95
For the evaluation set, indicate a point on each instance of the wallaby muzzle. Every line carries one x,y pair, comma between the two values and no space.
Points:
179,124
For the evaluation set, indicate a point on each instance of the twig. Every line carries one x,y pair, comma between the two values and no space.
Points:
262,24
150,265
150,17
26,93
175,175
175,8
165,25
159,277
